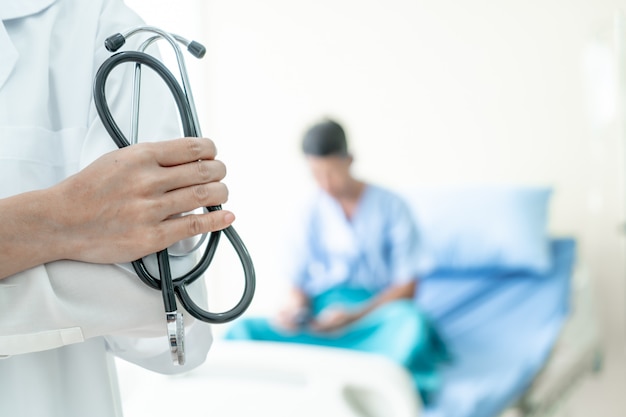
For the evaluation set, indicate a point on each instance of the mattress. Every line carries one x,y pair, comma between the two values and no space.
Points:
500,327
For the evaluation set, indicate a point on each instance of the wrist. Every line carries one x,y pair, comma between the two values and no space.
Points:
60,220
30,235
46,225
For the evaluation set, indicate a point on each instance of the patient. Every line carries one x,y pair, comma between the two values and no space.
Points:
355,272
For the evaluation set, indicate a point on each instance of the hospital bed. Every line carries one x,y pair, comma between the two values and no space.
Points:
521,327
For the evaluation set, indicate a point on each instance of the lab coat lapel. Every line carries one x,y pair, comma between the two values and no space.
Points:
12,9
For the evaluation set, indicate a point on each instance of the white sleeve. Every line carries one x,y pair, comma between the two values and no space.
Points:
80,301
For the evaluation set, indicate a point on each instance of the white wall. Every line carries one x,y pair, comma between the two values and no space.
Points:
430,91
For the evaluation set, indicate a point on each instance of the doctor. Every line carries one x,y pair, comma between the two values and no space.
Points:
72,206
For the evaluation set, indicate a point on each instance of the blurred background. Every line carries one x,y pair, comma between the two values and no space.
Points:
430,92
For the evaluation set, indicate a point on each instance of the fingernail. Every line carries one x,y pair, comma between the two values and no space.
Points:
229,217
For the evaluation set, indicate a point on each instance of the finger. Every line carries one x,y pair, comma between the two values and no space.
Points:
179,228
181,151
188,199
192,173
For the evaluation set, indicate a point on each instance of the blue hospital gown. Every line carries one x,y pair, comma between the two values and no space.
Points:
346,262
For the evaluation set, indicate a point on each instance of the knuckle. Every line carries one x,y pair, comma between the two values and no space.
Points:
200,148
210,194
205,171
143,151
201,193
210,171
195,225
155,205
155,237
194,148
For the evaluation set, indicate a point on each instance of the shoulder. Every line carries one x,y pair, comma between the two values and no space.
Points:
388,198
309,208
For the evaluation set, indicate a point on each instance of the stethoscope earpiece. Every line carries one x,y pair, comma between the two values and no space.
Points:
114,42
196,49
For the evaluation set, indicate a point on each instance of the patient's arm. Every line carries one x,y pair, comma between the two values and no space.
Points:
335,318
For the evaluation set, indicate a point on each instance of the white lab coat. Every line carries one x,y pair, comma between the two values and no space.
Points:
71,316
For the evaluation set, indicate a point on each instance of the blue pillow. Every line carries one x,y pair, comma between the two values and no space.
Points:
482,227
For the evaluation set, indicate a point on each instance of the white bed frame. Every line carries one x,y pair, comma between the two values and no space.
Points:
269,379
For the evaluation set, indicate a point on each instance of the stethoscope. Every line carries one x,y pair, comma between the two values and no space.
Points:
171,287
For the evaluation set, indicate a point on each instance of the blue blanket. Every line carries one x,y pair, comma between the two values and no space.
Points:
499,327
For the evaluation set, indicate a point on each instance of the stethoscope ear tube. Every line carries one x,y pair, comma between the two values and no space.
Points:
99,93
170,286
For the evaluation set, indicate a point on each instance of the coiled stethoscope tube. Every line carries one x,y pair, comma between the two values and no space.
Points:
171,287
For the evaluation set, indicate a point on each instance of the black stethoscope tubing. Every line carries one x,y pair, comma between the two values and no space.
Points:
169,286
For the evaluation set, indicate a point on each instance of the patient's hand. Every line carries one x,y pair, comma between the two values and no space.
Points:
295,313
293,319
332,319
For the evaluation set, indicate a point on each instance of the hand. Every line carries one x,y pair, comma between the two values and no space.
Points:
289,319
332,319
295,314
121,207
